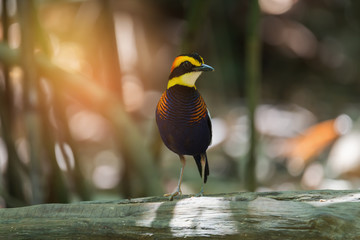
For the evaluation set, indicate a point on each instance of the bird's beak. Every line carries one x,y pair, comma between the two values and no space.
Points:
204,68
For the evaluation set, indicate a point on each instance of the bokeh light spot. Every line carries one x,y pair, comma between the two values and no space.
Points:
125,37
85,125
133,93
3,156
219,128
107,172
64,156
22,147
343,124
68,56
14,35
276,6
313,176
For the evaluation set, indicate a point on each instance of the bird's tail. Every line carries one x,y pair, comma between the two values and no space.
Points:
198,163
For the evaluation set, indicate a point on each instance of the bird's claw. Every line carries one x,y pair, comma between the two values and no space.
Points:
172,195
201,193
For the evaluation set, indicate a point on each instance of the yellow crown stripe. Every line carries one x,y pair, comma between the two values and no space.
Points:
182,59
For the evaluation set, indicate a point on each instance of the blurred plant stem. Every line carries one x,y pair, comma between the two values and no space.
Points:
195,16
14,176
15,171
57,189
94,97
253,75
76,181
228,69
112,79
108,52
31,99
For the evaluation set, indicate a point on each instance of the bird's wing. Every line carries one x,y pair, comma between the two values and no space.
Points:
209,125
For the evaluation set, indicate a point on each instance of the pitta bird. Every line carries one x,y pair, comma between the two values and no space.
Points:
182,116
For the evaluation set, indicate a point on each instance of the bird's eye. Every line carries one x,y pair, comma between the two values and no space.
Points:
187,65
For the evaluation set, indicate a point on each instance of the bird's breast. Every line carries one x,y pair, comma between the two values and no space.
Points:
181,106
183,121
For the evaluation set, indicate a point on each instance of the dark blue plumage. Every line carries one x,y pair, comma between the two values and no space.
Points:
182,117
184,123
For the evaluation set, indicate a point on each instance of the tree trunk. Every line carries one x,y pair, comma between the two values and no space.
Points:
269,215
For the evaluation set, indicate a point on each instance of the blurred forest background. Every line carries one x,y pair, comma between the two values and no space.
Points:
79,82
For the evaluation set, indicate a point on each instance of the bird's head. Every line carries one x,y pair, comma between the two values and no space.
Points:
186,69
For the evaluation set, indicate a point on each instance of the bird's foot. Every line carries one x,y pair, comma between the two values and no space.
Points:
201,193
172,195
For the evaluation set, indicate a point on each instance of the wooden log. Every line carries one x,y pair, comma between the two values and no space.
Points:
321,214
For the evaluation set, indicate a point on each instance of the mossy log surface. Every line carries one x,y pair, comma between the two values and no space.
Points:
321,214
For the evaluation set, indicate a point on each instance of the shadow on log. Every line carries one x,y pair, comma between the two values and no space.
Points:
321,214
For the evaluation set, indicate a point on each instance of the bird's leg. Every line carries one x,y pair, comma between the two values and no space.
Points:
201,193
178,189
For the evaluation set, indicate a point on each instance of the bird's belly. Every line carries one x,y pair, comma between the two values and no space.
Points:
185,139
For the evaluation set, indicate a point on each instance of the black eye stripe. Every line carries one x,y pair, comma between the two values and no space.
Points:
187,65
184,67
178,71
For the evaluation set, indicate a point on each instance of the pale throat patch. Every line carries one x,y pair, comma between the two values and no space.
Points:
188,79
